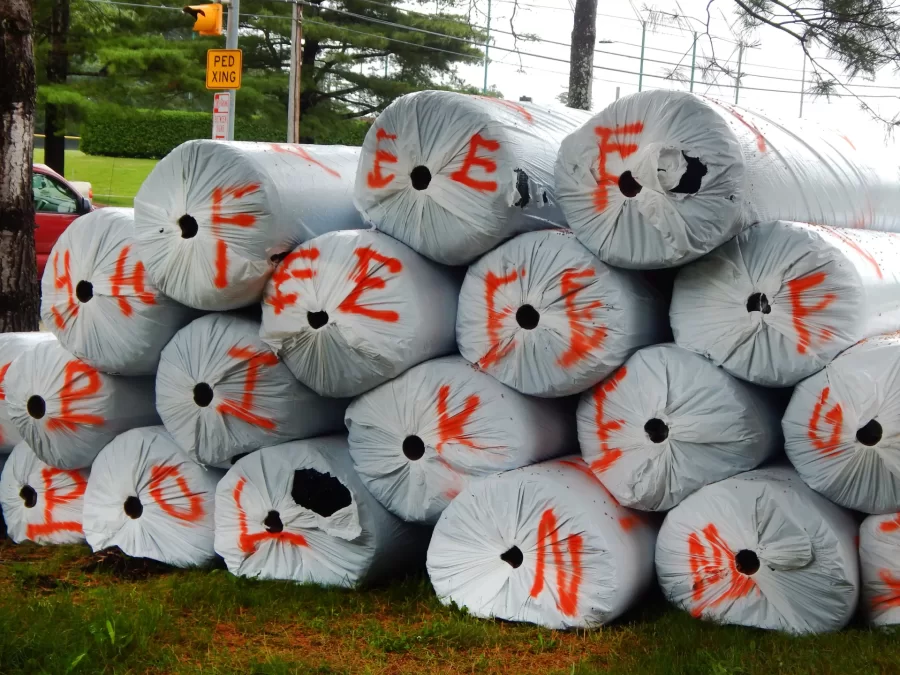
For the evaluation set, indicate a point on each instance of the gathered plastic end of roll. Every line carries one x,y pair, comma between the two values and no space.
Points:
189,226
692,178
36,407
870,434
528,317
273,523
203,394
513,557
29,496
133,508
746,562
758,302
84,291
657,430
629,186
420,177
317,319
413,448
319,492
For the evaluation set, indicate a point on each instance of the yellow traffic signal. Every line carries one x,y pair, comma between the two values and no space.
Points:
208,18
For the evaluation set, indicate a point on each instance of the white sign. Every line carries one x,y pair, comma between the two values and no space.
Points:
221,107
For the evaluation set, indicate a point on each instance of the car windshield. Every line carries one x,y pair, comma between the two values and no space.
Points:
51,196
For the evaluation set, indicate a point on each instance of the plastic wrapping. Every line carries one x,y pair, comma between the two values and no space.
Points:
149,499
879,563
761,549
669,422
419,440
67,411
221,392
546,544
40,503
453,176
351,310
212,219
546,317
11,346
842,427
298,511
96,297
781,300
660,178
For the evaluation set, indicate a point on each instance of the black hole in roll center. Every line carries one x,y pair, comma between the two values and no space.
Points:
657,430
413,447
870,434
758,302
747,562
36,407
692,176
317,319
513,557
528,317
133,507
273,523
320,492
203,394
84,291
29,496
188,225
420,177
629,186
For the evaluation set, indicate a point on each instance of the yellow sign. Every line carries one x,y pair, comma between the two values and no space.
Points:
223,69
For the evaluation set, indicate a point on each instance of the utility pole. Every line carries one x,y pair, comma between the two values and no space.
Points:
693,60
802,85
231,42
643,41
293,130
487,43
737,84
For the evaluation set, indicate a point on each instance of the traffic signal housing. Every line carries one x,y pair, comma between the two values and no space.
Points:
208,18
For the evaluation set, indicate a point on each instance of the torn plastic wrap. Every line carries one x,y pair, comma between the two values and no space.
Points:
545,544
842,427
299,512
97,299
546,317
661,178
213,218
67,410
221,392
669,422
149,499
781,300
11,346
40,503
419,440
351,310
453,176
761,549
879,563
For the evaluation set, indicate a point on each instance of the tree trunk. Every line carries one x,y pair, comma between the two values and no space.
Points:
581,66
19,296
57,72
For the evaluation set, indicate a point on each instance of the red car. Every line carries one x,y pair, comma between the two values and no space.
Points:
56,204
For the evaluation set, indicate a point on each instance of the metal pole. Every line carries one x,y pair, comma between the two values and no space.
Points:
386,61
231,42
737,84
641,69
693,61
487,42
293,124
802,85
617,93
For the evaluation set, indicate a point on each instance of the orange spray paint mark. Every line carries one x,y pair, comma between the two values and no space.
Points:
712,567
461,175
135,280
61,281
452,428
366,280
76,371
375,178
856,247
606,180
891,525
800,312
583,340
890,599
834,418
243,409
627,523
608,456
567,581
492,284
247,542
849,142
283,273
3,369
53,498
300,151
158,475
511,105
218,219
760,139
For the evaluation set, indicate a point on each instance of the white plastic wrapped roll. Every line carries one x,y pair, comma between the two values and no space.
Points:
40,503
149,499
661,178
351,310
842,427
419,440
669,422
780,301
299,512
879,563
67,411
546,317
97,299
11,346
452,175
212,219
221,392
761,549
545,544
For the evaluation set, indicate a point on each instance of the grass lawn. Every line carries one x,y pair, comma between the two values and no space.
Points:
115,179
64,610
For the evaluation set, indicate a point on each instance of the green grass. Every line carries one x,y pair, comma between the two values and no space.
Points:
64,610
115,180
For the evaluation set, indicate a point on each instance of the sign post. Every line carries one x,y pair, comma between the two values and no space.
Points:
221,111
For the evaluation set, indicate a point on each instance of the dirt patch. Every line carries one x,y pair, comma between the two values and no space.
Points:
115,563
